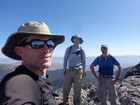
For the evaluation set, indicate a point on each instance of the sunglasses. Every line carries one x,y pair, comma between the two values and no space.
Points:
37,44
77,40
103,48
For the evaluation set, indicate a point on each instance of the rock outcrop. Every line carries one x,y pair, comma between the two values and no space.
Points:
127,90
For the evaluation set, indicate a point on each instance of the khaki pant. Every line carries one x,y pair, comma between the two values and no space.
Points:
75,77
106,86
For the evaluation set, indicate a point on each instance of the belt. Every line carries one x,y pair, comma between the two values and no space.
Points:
106,76
76,67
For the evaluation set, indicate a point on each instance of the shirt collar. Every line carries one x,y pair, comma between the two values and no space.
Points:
23,70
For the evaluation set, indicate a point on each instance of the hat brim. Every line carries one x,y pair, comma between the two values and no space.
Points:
14,39
81,40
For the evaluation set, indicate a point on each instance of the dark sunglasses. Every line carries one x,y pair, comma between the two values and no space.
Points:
77,40
103,48
37,44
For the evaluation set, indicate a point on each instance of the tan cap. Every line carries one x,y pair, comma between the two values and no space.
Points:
104,46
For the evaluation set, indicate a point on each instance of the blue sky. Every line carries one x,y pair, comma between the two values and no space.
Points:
112,22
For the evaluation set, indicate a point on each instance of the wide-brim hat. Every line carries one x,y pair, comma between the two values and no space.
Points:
77,36
23,32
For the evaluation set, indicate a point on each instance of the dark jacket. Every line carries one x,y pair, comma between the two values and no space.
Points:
23,87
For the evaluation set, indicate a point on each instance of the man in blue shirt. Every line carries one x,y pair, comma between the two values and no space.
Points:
106,78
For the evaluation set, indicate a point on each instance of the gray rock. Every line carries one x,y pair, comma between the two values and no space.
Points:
127,90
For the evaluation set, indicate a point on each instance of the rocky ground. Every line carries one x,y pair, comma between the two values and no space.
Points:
127,90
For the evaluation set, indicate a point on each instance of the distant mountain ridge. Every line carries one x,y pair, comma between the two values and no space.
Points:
128,88
56,70
6,68
56,74
126,61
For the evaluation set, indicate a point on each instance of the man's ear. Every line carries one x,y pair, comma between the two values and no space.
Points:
19,51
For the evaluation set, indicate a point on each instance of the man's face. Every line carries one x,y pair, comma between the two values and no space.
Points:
35,56
76,41
104,50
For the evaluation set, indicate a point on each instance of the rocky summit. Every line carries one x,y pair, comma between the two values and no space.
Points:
127,90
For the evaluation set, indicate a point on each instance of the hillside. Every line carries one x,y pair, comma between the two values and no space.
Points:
57,78
127,89
56,74
6,68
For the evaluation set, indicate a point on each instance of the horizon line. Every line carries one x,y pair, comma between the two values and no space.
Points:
63,56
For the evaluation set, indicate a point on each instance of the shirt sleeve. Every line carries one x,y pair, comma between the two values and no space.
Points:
22,90
96,61
65,61
84,59
115,62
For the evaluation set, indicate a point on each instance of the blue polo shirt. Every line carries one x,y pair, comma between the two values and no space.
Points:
106,64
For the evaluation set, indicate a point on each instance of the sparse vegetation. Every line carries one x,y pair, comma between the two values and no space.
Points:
84,103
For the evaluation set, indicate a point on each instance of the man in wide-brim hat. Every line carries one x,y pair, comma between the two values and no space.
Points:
26,30
74,68
33,44
77,37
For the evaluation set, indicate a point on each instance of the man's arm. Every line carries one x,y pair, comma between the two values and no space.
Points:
66,60
93,71
84,60
119,72
118,75
21,90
